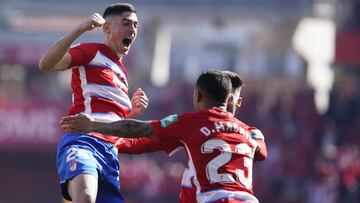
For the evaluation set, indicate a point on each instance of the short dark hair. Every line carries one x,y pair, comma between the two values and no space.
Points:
236,81
215,85
118,9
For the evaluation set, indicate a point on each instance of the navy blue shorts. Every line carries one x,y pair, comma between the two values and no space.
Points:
84,154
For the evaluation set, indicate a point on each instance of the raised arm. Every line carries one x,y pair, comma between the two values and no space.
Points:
57,58
123,128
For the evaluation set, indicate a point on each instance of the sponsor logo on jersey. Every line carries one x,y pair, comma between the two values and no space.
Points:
257,134
165,122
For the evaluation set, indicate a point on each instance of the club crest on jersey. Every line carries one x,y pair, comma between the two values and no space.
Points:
165,122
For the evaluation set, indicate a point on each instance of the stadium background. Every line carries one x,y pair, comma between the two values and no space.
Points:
300,60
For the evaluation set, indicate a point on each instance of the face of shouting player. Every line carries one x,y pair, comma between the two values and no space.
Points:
120,32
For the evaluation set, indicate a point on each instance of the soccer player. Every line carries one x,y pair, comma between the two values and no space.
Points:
219,146
87,164
188,191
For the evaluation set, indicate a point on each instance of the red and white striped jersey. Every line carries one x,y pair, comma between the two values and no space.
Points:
99,84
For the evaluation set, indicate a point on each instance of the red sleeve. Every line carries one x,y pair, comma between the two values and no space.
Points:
144,145
139,145
262,153
167,129
82,54
257,135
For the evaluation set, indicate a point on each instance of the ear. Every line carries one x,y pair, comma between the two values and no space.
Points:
238,102
106,27
230,100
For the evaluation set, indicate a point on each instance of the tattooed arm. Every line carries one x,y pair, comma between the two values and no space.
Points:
122,128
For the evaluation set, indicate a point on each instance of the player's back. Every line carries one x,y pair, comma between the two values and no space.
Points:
220,152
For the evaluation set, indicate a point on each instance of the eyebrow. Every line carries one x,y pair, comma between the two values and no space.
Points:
126,19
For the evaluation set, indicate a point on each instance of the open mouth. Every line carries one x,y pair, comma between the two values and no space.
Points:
127,42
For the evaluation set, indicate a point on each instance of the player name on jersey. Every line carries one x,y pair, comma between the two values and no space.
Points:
225,127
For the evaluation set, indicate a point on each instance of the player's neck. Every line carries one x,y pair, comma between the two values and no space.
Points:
114,51
221,106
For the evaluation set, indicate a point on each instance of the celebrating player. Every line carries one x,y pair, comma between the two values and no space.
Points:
188,190
220,147
88,165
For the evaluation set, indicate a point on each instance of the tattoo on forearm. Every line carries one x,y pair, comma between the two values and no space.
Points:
125,128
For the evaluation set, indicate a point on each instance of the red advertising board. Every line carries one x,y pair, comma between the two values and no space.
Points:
30,126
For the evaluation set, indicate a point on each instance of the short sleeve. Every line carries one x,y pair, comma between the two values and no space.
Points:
256,134
81,54
167,129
